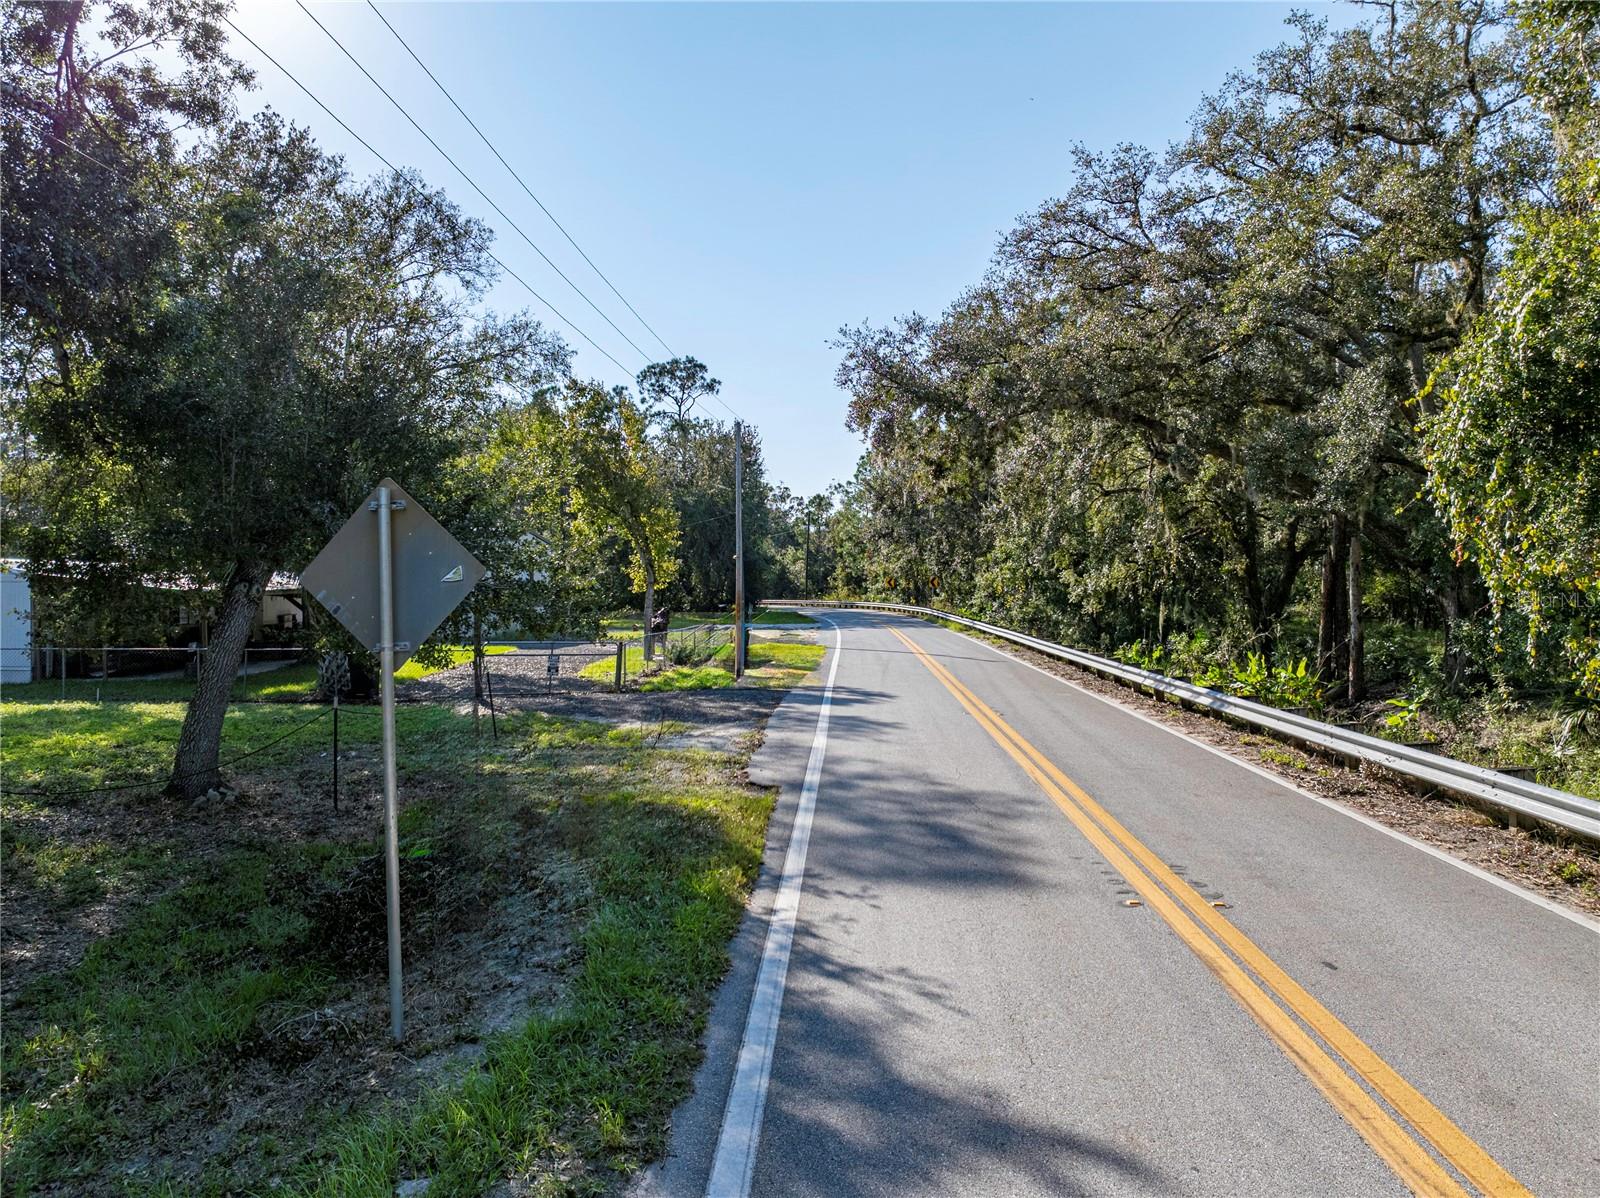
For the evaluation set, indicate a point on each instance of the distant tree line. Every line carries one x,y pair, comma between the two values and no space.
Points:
1329,360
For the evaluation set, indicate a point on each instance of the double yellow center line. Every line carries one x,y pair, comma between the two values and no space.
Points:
1169,896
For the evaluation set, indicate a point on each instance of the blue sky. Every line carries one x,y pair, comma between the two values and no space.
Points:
754,176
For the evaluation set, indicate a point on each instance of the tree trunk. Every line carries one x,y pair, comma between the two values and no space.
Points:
194,767
1248,533
1358,672
64,366
1455,657
1330,617
649,608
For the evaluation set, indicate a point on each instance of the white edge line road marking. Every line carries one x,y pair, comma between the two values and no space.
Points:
1510,887
734,1162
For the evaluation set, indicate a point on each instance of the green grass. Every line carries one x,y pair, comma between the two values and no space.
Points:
460,655
689,678
75,745
605,670
1283,757
75,874
582,1093
289,682
780,616
778,655
182,980
773,664
216,947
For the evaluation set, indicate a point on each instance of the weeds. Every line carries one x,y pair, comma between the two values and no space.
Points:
235,964
1406,711
1254,677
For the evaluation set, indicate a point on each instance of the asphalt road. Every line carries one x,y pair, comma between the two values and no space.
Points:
974,1006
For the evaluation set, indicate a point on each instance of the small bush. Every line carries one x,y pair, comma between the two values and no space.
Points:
1252,678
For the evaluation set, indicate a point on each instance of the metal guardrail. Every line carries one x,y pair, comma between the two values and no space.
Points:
1518,796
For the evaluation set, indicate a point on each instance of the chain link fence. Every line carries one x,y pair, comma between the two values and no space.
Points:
531,669
158,673
696,644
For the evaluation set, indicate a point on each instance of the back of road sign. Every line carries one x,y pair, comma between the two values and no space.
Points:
433,572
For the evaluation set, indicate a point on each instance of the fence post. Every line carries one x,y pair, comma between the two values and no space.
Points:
336,748
620,651
494,716
477,673
63,673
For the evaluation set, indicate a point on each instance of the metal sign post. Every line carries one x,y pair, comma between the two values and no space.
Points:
423,573
391,816
738,550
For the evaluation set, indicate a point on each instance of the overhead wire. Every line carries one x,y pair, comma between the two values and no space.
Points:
371,149
493,149
67,145
726,408
471,182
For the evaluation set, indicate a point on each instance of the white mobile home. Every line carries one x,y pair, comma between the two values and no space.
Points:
16,624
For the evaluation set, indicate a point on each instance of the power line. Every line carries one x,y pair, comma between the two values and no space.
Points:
471,182
65,145
495,151
371,149
113,170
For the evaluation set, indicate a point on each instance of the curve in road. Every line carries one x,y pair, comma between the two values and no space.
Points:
985,998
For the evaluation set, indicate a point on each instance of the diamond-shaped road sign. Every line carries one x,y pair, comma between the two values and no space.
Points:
432,573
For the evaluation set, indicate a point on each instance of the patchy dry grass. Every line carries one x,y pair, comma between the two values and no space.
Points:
195,998
767,664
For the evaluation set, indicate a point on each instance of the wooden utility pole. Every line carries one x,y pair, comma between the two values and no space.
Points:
806,553
738,550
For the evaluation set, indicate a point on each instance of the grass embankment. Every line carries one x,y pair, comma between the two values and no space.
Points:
766,664
779,616
197,1003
